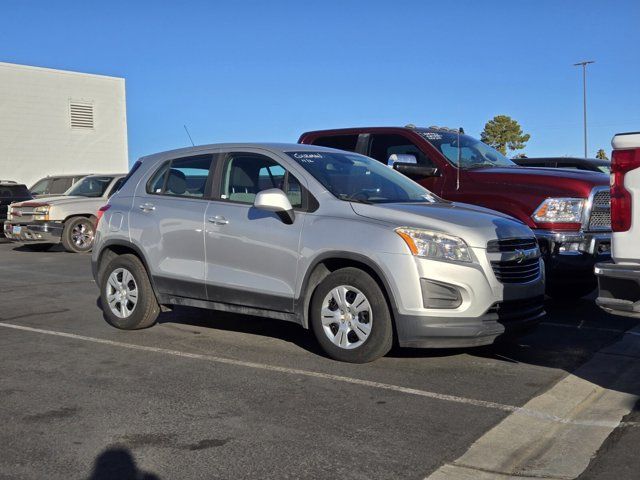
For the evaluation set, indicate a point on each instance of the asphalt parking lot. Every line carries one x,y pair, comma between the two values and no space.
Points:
213,395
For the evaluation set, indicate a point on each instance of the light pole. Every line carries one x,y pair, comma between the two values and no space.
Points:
584,98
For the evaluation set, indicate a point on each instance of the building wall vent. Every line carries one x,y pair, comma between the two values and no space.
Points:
81,115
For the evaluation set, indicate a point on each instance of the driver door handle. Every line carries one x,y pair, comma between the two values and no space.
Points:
147,207
218,220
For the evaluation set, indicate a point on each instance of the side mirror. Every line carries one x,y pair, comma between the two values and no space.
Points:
405,158
275,200
408,165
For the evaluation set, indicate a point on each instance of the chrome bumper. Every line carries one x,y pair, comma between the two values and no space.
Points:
618,288
576,243
45,232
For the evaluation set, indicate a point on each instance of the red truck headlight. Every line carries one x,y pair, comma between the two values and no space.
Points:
559,210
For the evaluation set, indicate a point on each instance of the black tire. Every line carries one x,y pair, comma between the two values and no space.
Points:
569,292
380,338
146,310
71,227
38,247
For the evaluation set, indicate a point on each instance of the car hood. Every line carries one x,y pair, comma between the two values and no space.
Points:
476,225
545,181
60,200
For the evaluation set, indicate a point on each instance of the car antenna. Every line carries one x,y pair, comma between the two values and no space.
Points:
189,135
459,154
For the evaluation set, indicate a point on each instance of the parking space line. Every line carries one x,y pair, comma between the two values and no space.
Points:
519,447
539,415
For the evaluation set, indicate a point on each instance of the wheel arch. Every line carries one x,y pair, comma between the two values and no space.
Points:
113,248
329,262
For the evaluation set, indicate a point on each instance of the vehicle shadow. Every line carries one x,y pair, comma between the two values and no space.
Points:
570,334
38,248
117,463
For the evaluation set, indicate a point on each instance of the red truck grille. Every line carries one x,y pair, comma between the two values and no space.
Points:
600,216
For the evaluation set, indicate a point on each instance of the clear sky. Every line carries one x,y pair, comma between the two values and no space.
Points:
269,70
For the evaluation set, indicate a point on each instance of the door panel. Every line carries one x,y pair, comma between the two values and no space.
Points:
168,221
252,255
253,252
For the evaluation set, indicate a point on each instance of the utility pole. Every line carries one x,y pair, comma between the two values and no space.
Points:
584,98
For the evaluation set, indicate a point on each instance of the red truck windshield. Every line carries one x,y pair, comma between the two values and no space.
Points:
473,153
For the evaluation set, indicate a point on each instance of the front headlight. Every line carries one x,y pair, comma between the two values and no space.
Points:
436,245
41,213
559,210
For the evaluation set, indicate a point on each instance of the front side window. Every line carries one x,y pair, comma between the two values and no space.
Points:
464,150
182,177
90,187
355,178
383,146
60,185
247,174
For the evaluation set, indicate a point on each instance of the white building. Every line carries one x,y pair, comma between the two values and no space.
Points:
58,122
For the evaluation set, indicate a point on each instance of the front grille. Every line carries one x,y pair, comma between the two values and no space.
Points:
600,218
513,271
511,245
514,310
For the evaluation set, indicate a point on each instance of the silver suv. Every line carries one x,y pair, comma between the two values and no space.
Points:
334,241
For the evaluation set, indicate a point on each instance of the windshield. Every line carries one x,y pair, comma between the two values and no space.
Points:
90,187
355,178
473,153
41,187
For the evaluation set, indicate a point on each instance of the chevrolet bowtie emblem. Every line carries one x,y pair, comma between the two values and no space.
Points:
520,256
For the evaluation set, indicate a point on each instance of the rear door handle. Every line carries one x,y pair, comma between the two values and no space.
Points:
147,207
218,220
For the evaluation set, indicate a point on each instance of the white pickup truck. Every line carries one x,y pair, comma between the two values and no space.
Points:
619,282
68,219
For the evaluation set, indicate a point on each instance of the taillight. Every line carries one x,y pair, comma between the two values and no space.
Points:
101,213
622,161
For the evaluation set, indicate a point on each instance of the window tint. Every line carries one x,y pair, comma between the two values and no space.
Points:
341,142
183,177
60,185
383,146
247,174
41,187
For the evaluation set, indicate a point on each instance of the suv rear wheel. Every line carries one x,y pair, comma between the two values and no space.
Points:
350,317
127,298
78,235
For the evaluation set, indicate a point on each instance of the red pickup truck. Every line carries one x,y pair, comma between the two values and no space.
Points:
569,210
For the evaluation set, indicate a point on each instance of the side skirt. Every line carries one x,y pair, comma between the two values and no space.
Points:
167,299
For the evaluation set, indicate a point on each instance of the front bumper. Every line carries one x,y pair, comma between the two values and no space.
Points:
503,318
619,288
43,232
488,308
570,256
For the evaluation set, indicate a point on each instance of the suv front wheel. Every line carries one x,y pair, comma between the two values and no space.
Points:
126,294
350,317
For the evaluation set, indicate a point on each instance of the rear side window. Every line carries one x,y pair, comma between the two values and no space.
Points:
341,142
182,177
